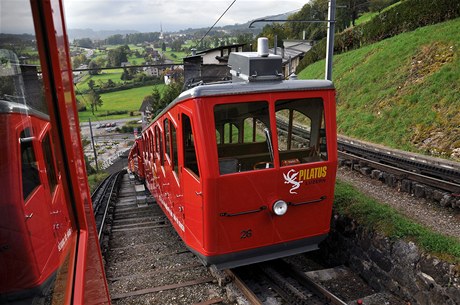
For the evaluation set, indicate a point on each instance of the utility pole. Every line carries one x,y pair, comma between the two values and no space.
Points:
92,143
330,39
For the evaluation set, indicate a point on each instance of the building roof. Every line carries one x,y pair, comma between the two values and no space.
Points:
220,48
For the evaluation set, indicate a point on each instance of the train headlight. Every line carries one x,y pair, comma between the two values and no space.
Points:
280,207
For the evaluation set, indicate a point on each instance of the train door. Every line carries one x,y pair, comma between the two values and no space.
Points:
171,167
58,212
191,183
36,200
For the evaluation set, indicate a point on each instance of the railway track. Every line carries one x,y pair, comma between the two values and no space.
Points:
282,282
102,198
147,262
437,173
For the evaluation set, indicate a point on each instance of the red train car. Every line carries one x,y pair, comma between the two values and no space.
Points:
136,160
49,250
246,170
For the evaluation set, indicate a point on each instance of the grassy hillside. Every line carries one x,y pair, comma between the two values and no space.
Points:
403,92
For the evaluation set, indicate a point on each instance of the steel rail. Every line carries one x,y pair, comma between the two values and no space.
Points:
310,284
402,174
115,183
248,293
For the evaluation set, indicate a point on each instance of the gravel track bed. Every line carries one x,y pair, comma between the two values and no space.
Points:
439,219
186,295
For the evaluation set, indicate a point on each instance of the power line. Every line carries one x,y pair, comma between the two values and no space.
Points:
215,23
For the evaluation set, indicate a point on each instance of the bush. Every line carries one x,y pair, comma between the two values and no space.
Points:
405,17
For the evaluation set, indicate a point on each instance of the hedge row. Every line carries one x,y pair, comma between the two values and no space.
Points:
407,16
119,87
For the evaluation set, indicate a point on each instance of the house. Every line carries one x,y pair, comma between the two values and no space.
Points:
220,54
209,65
292,53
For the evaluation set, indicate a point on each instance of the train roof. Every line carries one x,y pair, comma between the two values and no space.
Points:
234,88
254,87
7,107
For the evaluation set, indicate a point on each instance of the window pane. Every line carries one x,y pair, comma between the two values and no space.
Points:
30,177
190,159
301,132
241,135
174,148
167,147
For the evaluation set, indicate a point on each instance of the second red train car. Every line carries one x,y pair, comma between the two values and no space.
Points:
245,170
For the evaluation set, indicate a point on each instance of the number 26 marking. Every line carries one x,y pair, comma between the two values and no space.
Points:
246,234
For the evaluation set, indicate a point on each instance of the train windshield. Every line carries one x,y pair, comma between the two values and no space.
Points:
243,137
301,131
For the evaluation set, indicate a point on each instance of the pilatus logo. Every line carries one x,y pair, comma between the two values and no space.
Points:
290,178
310,175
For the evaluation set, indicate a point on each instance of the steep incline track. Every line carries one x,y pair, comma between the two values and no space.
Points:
147,262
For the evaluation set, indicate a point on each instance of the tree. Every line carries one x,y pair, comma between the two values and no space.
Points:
94,68
118,55
79,60
84,43
272,30
91,84
94,100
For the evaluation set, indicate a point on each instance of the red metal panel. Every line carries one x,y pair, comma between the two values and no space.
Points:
90,286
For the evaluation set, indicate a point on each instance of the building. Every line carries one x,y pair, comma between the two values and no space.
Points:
209,65
292,53
220,54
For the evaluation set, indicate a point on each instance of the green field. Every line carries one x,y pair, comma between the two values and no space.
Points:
403,92
124,100
104,76
179,55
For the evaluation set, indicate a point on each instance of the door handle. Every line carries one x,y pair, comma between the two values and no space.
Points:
29,216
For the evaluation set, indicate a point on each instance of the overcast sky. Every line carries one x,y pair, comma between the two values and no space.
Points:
147,15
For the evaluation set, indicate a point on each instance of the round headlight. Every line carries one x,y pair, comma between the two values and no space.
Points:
280,207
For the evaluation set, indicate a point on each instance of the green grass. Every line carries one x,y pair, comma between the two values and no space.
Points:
104,76
95,179
401,91
177,59
123,100
386,220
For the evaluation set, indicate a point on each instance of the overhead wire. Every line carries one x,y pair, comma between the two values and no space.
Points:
209,30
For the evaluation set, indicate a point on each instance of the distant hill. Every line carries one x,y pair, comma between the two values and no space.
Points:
103,34
403,92
95,35
244,27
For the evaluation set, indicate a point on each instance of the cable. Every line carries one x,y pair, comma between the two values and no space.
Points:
215,23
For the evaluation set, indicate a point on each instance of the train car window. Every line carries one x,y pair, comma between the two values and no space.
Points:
151,142
162,158
167,139
243,137
157,139
174,148
49,163
301,131
190,159
30,176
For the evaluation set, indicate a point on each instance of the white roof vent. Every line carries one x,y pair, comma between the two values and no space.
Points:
262,46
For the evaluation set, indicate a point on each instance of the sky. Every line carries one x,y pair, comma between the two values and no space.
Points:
172,15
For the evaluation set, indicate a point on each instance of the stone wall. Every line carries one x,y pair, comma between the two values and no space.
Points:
393,265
